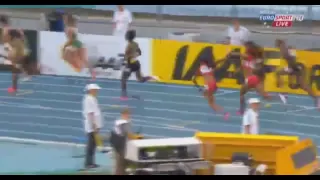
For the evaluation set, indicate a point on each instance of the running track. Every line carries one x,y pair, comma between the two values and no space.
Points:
49,108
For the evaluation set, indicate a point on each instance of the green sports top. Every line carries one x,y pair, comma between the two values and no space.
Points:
75,39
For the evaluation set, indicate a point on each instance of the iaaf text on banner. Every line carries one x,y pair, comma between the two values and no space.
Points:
103,52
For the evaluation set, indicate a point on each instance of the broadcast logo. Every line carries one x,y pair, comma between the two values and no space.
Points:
281,20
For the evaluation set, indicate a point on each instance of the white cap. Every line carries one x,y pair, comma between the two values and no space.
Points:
253,100
92,86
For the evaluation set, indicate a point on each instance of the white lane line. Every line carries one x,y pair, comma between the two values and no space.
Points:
146,92
223,93
152,124
302,109
146,108
234,126
169,102
173,127
184,129
232,91
140,91
58,136
50,126
85,80
24,92
139,84
39,134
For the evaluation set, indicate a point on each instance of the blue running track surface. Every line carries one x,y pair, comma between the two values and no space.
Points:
48,108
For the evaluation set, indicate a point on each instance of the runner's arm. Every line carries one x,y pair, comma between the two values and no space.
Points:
127,55
138,53
220,61
238,70
243,56
21,32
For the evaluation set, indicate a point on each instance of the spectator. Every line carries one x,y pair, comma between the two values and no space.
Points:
122,19
250,121
55,20
118,139
237,35
92,122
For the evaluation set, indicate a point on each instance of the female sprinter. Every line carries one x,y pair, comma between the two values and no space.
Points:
248,58
14,42
210,87
73,50
294,69
132,64
256,75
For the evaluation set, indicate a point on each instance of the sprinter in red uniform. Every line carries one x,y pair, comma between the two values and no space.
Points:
210,87
254,72
248,60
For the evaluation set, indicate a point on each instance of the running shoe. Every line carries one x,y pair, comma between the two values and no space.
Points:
284,98
11,90
123,98
155,78
26,78
226,116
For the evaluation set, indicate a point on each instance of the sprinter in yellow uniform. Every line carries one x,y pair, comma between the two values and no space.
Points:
132,52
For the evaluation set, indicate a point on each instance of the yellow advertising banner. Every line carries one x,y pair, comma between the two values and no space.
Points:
177,62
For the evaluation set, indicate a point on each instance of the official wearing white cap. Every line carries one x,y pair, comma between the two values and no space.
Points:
92,122
250,121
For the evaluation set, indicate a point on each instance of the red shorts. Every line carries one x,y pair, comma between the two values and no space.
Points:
211,87
252,81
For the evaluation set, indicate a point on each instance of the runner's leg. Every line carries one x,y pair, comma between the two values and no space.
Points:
306,87
124,78
243,91
85,61
15,71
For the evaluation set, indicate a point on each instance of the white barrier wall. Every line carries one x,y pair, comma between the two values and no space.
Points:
51,63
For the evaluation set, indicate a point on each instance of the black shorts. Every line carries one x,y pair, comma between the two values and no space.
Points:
134,67
117,142
26,60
